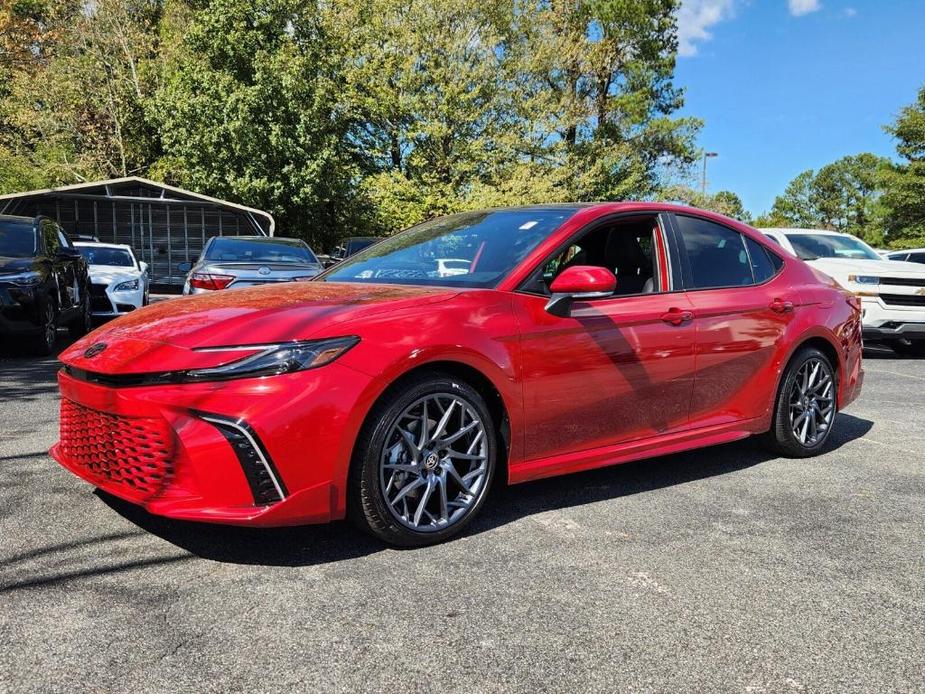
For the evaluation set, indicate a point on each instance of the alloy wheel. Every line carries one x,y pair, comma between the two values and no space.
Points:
812,402
434,464
50,328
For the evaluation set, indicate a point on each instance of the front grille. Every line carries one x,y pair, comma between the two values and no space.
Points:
99,302
904,281
132,455
903,300
98,290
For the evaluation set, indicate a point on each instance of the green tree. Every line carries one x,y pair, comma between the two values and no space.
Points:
724,202
250,111
904,184
842,196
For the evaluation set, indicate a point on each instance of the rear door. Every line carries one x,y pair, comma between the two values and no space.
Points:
741,308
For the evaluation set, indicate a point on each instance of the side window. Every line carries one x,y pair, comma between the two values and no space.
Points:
716,255
50,234
63,240
763,265
917,257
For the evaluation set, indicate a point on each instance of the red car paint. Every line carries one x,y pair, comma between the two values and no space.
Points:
620,379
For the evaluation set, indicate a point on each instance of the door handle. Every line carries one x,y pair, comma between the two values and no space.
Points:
676,316
781,306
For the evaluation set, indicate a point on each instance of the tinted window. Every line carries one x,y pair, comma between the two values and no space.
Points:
232,250
493,242
762,266
18,240
898,256
716,254
52,243
917,257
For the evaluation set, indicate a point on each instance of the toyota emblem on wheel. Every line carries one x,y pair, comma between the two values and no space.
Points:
94,349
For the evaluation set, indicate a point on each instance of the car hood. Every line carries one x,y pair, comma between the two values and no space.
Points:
150,338
842,267
104,274
12,266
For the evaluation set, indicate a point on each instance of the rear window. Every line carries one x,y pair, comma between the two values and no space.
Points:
763,262
232,250
18,240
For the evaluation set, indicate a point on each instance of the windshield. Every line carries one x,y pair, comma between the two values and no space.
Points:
232,250
485,246
18,240
117,257
812,246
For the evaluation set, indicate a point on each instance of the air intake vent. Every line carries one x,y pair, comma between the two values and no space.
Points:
265,483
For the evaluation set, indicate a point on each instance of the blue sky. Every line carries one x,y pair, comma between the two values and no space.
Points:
789,85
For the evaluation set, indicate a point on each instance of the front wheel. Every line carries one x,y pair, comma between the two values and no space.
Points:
804,412
424,462
44,343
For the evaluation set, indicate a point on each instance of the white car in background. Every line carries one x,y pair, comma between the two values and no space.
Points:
913,255
118,281
892,292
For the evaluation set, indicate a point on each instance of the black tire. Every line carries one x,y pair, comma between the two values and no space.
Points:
83,324
781,438
367,504
44,342
909,348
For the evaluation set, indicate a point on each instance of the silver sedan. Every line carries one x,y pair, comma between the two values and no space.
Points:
228,262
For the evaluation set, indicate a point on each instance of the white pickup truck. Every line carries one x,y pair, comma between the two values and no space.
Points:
892,292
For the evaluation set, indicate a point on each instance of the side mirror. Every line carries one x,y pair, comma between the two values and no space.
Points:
580,282
68,253
184,267
143,266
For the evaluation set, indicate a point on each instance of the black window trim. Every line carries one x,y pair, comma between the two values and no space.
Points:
660,217
688,280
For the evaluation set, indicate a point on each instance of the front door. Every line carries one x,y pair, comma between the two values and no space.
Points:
617,369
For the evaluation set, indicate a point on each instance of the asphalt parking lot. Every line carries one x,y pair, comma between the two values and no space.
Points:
724,569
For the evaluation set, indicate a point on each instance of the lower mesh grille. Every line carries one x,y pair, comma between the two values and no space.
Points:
129,454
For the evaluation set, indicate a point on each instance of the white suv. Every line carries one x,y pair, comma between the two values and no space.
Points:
892,292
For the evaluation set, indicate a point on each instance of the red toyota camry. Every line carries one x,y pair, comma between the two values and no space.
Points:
507,344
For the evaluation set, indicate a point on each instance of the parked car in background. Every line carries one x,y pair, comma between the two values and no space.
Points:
232,262
348,247
912,255
44,283
892,292
447,267
580,336
119,282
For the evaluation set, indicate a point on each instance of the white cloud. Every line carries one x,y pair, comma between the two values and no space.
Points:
850,12
695,17
800,7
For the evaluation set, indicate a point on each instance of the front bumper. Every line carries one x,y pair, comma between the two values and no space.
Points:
106,302
303,424
882,321
20,310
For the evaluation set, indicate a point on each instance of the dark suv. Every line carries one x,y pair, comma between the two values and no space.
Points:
44,283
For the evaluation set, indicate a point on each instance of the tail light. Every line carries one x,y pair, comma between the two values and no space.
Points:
202,280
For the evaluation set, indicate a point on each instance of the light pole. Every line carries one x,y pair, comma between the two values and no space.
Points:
703,180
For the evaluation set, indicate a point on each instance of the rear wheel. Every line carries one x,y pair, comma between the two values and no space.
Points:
909,348
806,405
424,462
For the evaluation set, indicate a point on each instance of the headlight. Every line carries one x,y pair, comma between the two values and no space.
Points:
864,279
130,286
23,279
276,359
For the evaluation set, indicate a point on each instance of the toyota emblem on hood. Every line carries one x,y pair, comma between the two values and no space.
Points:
94,349
264,270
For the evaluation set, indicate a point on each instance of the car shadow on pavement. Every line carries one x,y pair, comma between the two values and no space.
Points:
318,544
26,376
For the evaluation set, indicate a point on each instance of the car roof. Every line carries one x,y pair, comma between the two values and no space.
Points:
17,218
906,250
100,244
261,239
815,232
